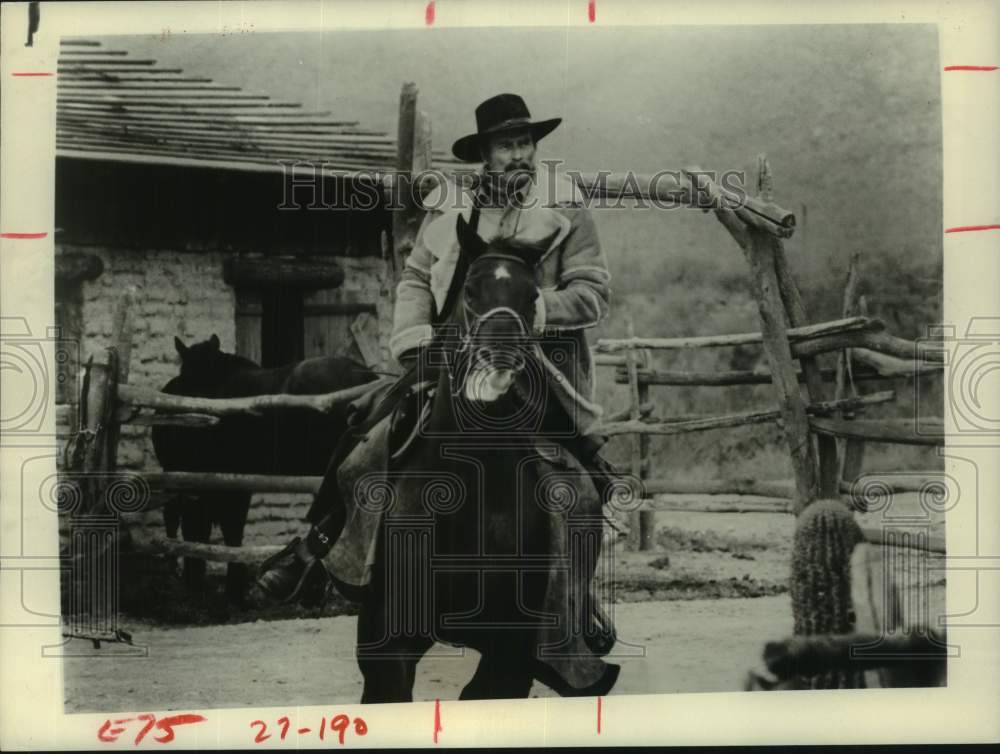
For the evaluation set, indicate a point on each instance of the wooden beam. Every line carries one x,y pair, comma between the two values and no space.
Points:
223,139
114,87
72,67
223,129
206,482
776,489
748,376
851,451
215,162
698,504
891,484
167,420
783,373
927,542
892,366
270,159
412,158
274,272
634,537
217,553
700,424
901,431
109,79
846,325
292,122
791,298
754,212
75,267
138,396
912,658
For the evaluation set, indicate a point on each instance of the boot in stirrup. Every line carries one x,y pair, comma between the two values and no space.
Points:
297,573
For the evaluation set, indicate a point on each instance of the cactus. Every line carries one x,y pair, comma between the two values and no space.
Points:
825,536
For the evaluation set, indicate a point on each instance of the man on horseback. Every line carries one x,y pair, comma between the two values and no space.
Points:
512,200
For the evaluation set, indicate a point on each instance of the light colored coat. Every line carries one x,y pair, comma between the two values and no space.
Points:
572,275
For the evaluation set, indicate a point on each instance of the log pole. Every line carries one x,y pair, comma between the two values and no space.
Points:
702,423
137,396
797,317
647,518
766,289
852,450
634,541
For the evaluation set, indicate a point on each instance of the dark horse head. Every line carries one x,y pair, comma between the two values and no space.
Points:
495,369
205,366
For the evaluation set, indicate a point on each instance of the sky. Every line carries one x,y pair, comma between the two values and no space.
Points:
850,116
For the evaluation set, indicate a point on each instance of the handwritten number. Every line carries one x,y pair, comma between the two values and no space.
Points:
284,722
261,736
339,724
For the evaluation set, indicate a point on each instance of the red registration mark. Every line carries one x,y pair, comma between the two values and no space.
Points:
113,728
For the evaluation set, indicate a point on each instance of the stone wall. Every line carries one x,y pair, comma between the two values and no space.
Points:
183,294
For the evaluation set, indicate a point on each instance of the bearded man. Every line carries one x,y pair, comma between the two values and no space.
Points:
512,199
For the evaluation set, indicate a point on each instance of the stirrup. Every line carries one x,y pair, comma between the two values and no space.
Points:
312,586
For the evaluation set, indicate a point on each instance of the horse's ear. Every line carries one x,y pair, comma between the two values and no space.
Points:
470,242
527,253
214,342
181,348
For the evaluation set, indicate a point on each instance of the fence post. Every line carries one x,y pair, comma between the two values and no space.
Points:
413,156
634,541
762,255
647,518
854,448
122,359
797,317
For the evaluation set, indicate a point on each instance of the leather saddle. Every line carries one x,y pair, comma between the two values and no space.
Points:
409,419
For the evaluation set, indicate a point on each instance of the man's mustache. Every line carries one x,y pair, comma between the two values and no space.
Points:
519,165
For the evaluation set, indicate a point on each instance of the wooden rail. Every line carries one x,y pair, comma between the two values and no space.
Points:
137,396
700,424
208,482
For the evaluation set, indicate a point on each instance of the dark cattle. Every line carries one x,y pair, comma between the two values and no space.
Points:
287,441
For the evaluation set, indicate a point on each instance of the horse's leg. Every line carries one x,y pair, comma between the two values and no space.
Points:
233,521
501,674
388,664
196,526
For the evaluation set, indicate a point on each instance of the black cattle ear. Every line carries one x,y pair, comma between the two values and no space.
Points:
470,242
214,342
181,348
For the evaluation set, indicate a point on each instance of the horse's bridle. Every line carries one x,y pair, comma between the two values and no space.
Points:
479,319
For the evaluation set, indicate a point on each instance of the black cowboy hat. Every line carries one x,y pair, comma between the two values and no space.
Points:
505,112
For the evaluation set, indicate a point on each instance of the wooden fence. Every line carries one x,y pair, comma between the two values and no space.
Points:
811,422
824,436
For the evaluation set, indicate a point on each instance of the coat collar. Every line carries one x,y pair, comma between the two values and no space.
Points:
539,222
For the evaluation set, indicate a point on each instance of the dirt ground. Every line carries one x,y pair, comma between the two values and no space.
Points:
692,615
696,645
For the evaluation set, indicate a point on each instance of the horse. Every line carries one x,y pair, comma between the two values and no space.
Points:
285,441
475,491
